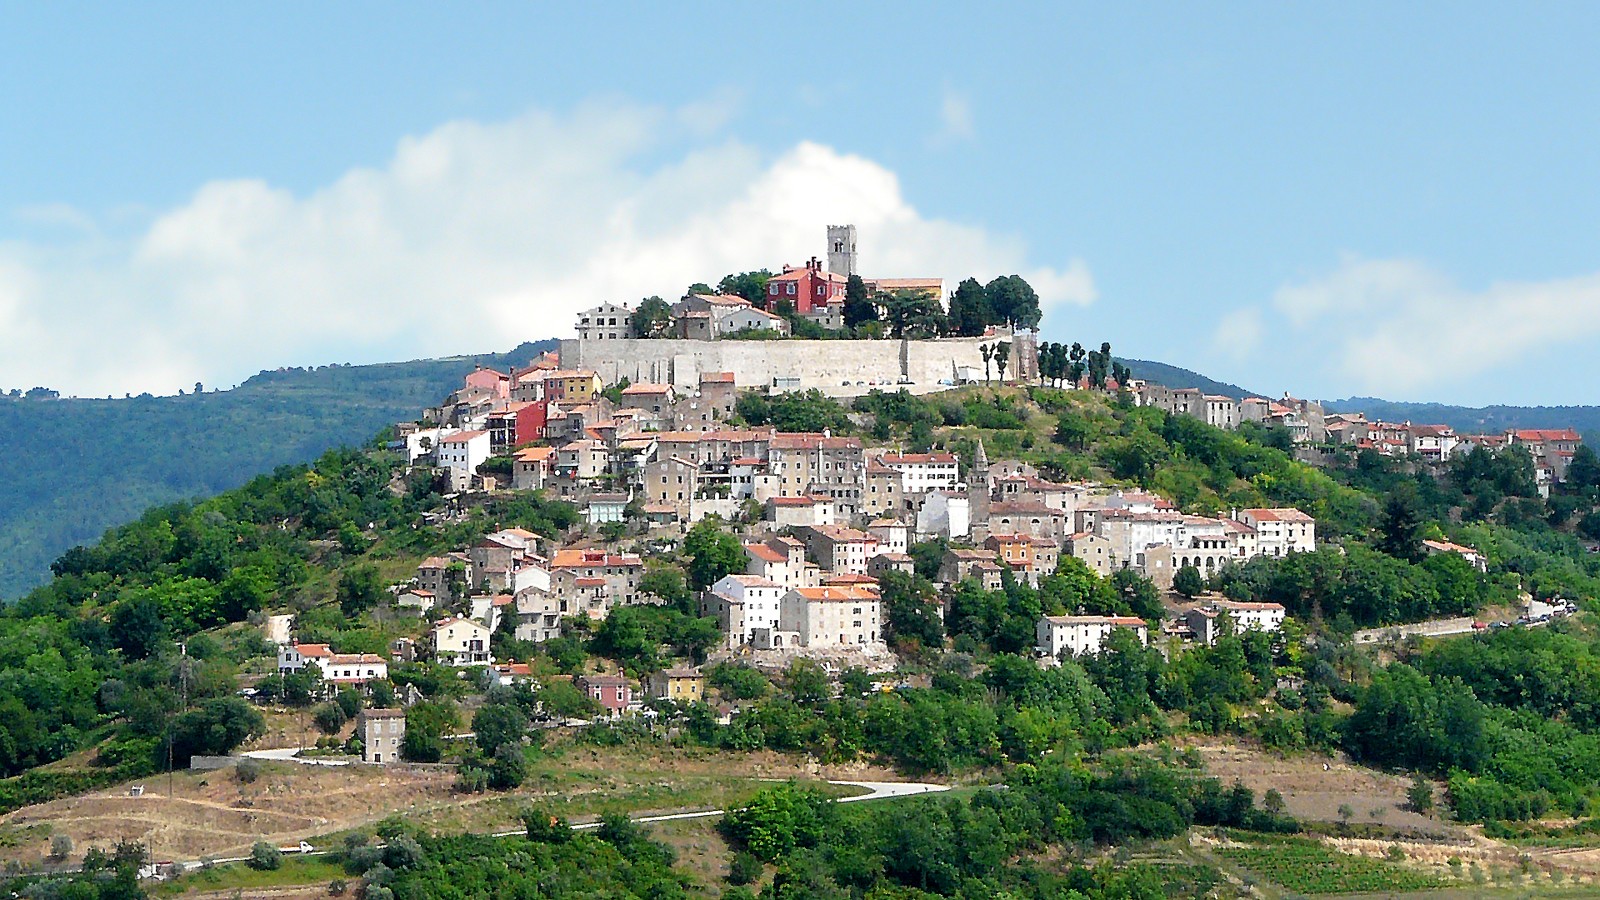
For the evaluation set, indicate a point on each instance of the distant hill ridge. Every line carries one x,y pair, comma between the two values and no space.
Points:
1464,419
76,467
1175,377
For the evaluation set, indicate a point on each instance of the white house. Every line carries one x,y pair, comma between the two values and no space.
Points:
336,668
606,322
923,472
742,603
1203,621
294,657
460,642
538,616
1280,532
419,599
946,514
1252,616
748,318
894,536
354,668
462,453
1082,635
1473,557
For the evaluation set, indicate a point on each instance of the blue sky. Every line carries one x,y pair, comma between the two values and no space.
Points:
1351,200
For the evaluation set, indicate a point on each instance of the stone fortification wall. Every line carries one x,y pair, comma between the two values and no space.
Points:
839,368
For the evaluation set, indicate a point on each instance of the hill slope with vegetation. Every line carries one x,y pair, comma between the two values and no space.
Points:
1506,721
73,468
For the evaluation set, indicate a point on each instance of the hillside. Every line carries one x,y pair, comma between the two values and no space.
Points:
74,468
1479,716
1173,376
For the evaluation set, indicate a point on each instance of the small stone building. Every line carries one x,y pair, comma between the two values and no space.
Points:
381,731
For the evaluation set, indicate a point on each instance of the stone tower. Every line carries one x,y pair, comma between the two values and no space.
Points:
842,249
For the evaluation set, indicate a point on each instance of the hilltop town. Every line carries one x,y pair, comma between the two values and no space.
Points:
859,533
822,518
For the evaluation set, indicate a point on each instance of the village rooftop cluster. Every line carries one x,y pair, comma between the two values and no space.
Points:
822,518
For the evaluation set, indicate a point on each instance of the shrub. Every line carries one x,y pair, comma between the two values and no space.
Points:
744,869
60,846
265,857
246,771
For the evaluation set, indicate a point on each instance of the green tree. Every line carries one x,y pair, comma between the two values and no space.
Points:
328,717
1400,532
1188,581
667,583
1419,796
752,286
912,314
858,306
969,309
1014,301
778,821
498,724
712,553
624,637
652,319
427,723
214,728
360,589
137,627
1002,357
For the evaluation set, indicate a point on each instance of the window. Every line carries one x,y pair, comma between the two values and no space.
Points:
773,290
791,289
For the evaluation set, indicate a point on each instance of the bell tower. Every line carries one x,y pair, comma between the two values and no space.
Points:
842,249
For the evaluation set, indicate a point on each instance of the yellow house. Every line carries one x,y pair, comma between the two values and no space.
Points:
680,685
572,385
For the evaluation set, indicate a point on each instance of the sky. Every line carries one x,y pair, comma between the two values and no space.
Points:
1395,200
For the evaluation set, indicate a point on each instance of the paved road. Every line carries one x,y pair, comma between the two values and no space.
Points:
1431,628
875,790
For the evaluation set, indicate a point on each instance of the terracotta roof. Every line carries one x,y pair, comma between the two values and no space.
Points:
1546,434
313,650
842,533
890,459
716,378
796,501
355,659
1284,514
764,553
839,593
645,388
577,558
1095,620
789,440
461,437
753,581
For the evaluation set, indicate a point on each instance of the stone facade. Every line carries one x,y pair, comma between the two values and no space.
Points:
917,366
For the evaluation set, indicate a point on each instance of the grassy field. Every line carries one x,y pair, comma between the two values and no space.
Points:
214,814
240,877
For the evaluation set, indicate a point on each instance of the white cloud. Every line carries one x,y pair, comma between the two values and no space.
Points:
473,237
955,117
1239,333
1399,325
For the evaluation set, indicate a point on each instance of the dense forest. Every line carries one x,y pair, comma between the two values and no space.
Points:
75,467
